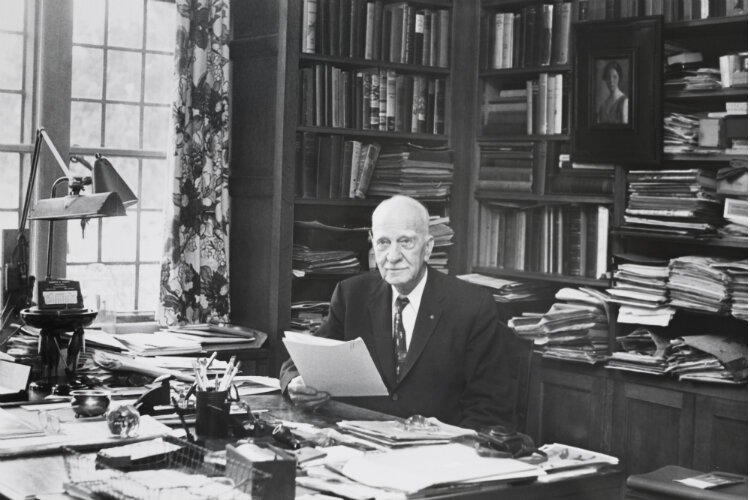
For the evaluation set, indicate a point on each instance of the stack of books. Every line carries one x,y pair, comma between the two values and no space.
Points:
504,112
680,133
699,283
309,261
641,291
413,171
673,202
506,166
643,351
581,178
573,330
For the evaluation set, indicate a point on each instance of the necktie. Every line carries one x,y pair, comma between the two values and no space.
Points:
399,334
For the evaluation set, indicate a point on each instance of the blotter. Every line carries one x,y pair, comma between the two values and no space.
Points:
336,367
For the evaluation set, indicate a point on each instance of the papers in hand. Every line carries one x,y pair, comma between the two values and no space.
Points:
336,367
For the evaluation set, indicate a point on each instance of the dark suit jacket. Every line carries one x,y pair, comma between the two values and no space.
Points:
454,366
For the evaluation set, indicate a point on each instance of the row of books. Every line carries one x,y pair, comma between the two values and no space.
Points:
573,329
373,99
570,240
539,108
677,202
329,167
509,166
672,10
377,30
538,35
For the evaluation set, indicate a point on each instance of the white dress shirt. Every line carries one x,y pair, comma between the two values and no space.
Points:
409,314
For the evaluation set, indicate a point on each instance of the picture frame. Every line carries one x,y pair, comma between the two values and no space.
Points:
617,111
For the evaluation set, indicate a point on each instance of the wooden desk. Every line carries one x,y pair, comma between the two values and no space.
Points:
25,477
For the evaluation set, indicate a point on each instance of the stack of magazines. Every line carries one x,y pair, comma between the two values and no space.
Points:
310,261
412,170
573,330
737,271
643,351
673,202
680,133
641,291
699,283
708,358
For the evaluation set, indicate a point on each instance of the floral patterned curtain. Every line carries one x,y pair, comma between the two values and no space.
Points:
194,270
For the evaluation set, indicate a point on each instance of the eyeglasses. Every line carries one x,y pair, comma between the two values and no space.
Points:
383,244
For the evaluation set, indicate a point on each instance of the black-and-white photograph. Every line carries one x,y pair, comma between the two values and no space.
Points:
373,249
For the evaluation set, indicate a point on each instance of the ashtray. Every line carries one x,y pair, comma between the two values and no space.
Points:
90,402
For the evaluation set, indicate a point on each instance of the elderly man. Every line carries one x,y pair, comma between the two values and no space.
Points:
435,339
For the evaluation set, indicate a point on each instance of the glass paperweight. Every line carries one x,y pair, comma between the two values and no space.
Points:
124,421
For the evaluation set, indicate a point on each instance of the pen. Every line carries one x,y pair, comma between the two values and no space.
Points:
177,409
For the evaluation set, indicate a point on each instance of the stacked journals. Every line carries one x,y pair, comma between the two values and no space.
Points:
384,31
413,171
574,330
677,202
308,315
643,351
680,133
308,261
538,35
371,99
737,271
709,358
699,283
641,291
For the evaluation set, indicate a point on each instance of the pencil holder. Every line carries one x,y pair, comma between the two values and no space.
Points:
212,413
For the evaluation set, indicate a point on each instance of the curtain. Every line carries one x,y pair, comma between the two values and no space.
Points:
194,281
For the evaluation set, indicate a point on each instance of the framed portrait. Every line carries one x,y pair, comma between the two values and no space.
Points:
617,111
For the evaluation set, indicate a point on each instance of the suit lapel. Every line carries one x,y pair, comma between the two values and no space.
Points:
380,320
430,309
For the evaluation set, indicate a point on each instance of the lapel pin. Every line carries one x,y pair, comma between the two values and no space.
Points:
432,316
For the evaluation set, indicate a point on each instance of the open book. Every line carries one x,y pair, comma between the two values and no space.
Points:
336,367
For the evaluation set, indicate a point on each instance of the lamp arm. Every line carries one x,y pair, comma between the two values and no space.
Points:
52,227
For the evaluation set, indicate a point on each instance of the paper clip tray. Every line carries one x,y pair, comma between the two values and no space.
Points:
191,472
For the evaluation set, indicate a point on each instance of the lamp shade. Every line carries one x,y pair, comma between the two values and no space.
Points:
78,207
106,180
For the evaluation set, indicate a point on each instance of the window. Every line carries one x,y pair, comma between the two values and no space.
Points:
121,94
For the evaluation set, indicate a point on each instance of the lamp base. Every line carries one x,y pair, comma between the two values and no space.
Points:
52,324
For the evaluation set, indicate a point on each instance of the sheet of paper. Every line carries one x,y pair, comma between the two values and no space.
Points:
419,467
339,368
78,433
13,377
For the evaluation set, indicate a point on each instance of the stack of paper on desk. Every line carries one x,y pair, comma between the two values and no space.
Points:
395,434
336,367
413,469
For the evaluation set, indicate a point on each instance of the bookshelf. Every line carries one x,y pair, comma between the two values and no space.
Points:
696,424
304,78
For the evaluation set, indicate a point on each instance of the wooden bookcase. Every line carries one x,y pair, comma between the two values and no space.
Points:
269,66
695,425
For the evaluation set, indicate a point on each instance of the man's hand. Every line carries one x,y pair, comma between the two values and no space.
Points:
306,397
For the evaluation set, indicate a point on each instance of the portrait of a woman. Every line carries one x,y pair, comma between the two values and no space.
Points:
613,102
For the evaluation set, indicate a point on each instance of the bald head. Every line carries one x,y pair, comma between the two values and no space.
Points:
401,241
407,211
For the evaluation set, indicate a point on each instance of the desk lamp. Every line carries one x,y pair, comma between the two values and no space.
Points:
60,302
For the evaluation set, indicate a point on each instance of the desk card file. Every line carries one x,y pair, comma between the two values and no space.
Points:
336,367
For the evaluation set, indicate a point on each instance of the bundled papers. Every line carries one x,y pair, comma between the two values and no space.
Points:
641,291
308,315
308,260
643,352
737,272
574,330
709,358
505,290
699,283
680,133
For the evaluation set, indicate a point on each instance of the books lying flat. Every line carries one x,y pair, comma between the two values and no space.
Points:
336,367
